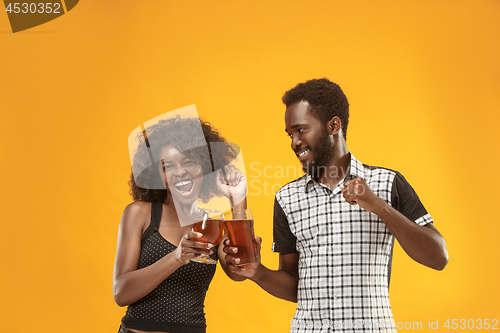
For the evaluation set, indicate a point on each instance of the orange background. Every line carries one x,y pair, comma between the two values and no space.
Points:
422,78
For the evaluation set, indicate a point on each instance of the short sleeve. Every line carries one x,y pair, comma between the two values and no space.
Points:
284,239
406,201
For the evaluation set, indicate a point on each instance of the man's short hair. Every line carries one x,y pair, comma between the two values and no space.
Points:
326,100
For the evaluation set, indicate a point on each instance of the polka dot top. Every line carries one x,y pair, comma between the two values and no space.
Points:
176,304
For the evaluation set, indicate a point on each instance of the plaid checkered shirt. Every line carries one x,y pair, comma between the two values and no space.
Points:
345,252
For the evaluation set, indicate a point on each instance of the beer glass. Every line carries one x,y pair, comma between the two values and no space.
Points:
239,229
208,223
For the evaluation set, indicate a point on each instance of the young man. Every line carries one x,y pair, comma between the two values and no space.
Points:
334,227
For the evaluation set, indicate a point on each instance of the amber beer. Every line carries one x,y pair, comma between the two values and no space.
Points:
212,233
208,223
239,229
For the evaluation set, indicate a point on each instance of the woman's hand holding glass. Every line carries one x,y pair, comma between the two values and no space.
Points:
188,247
209,226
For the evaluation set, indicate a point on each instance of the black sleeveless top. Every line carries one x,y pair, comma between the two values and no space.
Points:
176,304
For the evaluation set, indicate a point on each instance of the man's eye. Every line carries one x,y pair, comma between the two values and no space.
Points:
190,162
166,167
301,130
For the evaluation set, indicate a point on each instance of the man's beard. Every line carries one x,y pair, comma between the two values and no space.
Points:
323,155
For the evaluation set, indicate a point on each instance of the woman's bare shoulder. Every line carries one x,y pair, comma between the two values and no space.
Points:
136,214
138,207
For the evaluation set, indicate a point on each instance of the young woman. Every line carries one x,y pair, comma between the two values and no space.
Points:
153,274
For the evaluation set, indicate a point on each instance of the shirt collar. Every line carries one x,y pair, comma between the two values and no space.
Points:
355,170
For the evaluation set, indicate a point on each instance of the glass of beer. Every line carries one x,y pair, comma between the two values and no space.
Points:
239,230
209,224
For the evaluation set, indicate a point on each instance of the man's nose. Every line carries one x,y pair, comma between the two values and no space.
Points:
296,142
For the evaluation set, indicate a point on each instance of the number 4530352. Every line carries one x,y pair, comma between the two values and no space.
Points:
471,324
42,8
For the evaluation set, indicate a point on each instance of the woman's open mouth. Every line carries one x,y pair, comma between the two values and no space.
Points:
184,187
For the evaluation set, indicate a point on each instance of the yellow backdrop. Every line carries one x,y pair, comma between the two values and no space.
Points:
422,78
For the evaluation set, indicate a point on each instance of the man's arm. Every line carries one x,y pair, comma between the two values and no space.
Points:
281,283
423,244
